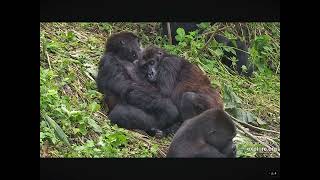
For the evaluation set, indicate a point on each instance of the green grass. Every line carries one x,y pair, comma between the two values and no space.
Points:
73,124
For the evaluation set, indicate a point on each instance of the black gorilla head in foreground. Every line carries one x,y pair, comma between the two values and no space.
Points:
209,134
125,45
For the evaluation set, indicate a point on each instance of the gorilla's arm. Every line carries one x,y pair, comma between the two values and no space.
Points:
152,102
112,76
169,69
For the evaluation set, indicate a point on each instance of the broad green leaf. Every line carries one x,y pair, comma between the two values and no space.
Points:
204,25
94,125
94,107
117,139
244,116
122,138
53,46
179,38
230,96
181,32
57,129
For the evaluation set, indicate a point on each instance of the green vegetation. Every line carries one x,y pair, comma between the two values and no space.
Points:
73,122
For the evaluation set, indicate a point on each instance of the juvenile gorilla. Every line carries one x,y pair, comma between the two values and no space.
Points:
241,50
136,104
187,86
209,134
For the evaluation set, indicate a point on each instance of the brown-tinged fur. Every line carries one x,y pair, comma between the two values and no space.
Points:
192,79
177,76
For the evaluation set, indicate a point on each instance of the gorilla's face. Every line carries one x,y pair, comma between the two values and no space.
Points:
150,69
125,45
149,64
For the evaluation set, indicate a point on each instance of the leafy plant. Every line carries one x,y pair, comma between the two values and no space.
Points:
181,35
262,53
246,148
57,129
233,104
204,25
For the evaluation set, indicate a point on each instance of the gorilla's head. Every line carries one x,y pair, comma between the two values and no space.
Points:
125,45
210,134
151,57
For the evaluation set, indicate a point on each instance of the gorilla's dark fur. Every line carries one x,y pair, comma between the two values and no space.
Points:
187,86
134,103
209,134
206,131
241,56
